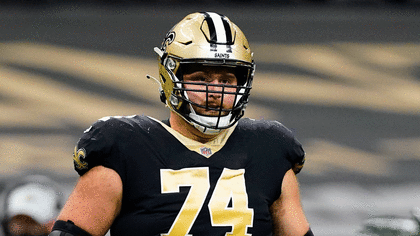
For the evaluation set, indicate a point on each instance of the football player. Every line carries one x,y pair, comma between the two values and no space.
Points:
31,206
204,171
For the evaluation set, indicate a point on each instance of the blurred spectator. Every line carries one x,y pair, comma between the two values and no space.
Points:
31,206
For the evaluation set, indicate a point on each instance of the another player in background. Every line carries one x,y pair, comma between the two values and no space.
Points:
205,170
31,206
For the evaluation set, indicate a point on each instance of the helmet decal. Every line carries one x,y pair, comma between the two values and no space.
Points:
169,38
219,28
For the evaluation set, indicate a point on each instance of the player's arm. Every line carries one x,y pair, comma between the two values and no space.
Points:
287,213
94,202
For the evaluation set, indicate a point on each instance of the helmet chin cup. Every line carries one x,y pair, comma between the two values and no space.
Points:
202,123
206,130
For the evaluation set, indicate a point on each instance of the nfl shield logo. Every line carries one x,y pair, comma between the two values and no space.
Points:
205,151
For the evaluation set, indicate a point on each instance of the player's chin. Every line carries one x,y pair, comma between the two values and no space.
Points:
212,109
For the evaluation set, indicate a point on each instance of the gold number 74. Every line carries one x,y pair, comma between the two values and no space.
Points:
230,188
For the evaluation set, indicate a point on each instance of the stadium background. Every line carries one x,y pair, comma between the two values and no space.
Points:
343,75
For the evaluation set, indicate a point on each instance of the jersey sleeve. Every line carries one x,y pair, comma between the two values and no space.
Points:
297,156
293,148
98,146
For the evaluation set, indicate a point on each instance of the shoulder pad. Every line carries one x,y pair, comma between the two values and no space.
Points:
279,136
98,142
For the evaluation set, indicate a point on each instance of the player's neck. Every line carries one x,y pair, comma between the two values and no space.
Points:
187,130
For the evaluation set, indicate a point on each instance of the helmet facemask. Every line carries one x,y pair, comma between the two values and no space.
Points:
229,106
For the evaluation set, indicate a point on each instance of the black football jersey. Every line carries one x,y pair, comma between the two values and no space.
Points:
176,186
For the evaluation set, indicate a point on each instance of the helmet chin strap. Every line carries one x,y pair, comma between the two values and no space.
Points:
210,121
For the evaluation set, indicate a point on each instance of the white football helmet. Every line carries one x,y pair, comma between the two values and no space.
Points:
209,39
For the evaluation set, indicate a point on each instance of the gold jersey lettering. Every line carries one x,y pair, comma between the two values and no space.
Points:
229,188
